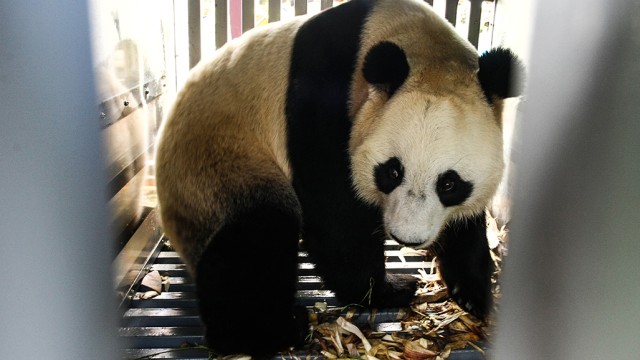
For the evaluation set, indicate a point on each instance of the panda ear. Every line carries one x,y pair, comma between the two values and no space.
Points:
501,74
386,67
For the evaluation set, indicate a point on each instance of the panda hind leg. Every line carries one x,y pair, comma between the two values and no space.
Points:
246,282
466,266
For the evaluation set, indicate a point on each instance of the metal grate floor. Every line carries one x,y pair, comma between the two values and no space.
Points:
159,328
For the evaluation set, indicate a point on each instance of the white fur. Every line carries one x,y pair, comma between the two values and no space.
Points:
438,120
430,135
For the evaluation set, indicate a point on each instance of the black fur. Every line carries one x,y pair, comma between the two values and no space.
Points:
386,67
451,189
500,74
343,235
261,289
389,175
466,265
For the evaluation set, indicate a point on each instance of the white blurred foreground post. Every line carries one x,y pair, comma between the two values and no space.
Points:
55,256
572,277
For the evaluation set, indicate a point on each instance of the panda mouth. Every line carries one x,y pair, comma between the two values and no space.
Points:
407,244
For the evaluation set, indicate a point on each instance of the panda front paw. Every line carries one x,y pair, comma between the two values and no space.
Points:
465,264
474,298
300,328
398,290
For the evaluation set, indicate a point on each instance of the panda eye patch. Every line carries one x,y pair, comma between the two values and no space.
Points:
389,175
452,189
448,185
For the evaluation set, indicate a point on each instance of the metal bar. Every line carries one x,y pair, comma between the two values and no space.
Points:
152,337
326,4
248,18
398,253
410,267
170,353
304,256
309,282
475,15
136,97
188,286
222,26
143,317
451,11
126,209
300,7
122,173
173,299
274,10
310,297
179,280
168,257
156,325
195,43
172,269
391,244
140,251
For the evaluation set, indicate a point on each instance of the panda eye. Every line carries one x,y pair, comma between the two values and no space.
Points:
389,175
448,185
451,189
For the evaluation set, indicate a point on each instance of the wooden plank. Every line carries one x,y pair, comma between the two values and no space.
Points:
195,51
248,18
274,10
221,23
300,7
475,15
451,11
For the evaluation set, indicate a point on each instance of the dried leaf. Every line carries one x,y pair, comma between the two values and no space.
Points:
414,351
481,350
354,330
153,281
412,252
445,353
328,355
352,349
456,345
431,297
320,306
432,330
149,295
463,337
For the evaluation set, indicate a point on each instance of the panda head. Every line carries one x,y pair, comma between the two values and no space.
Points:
426,144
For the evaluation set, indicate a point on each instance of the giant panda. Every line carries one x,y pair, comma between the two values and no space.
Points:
368,120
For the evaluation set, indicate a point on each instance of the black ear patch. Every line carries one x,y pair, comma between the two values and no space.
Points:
501,74
386,67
